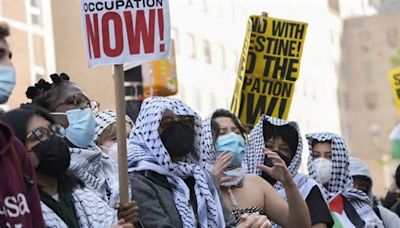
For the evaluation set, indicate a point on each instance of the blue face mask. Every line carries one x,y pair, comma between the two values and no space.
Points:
81,128
7,82
232,143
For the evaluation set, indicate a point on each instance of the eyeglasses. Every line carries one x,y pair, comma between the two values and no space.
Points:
4,52
165,122
82,101
43,134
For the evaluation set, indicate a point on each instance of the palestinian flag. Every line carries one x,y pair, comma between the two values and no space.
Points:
343,213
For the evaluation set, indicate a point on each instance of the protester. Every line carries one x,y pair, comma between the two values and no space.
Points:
7,70
363,181
225,139
106,132
64,199
19,198
328,164
71,107
283,139
392,199
167,181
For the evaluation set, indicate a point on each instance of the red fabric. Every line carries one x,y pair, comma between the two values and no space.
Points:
336,204
19,197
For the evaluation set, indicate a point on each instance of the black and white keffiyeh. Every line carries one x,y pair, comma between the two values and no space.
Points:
255,147
91,211
149,153
105,119
341,181
97,170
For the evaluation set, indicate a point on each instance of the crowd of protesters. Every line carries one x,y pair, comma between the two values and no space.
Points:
59,162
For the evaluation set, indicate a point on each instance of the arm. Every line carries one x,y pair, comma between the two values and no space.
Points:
298,215
152,212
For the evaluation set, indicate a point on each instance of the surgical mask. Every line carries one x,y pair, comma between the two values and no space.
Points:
178,139
112,151
7,82
323,167
232,143
81,128
54,156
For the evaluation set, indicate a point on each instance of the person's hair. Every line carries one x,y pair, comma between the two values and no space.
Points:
286,132
4,30
397,176
225,113
18,119
45,94
109,132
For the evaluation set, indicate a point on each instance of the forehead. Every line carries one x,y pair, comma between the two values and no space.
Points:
37,121
225,122
322,146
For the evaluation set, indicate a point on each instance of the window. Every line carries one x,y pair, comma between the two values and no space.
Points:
192,45
392,37
371,100
207,51
35,12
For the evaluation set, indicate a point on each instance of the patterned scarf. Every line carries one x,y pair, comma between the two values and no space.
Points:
149,153
97,171
341,181
91,211
210,156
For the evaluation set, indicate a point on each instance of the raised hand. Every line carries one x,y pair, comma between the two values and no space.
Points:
278,171
220,165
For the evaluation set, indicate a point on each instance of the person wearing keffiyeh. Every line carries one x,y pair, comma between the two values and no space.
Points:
224,148
328,164
284,138
163,163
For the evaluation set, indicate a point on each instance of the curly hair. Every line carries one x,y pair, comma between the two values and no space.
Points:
45,94
4,30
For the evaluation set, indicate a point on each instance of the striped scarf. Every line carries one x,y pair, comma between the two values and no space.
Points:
149,153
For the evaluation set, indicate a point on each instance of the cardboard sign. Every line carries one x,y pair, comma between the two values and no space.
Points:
268,69
122,31
394,79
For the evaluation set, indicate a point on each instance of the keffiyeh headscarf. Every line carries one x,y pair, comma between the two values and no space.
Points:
104,119
149,153
341,181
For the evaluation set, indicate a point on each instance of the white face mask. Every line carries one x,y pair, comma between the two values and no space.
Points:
323,167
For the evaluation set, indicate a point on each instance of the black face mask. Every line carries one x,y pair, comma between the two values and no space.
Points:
178,139
53,155
268,163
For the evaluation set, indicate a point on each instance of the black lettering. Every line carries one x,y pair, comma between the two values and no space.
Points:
280,70
277,88
253,111
248,81
91,7
251,62
292,69
85,7
300,29
260,43
267,66
99,6
256,86
109,7
252,41
398,93
137,3
270,44
150,3
271,106
287,89
159,2
396,79
282,108
119,3
277,28
254,23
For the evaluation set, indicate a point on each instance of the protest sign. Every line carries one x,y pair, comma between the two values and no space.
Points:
394,79
268,69
159,76
121,31
124,31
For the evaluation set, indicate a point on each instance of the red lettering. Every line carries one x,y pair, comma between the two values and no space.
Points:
141,33
118,34
93,36
160,17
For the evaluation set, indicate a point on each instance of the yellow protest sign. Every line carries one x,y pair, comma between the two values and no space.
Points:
269,68
394,79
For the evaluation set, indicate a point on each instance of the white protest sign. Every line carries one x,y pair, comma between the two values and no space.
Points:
123,31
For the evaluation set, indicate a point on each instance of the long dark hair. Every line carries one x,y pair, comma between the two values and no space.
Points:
225,113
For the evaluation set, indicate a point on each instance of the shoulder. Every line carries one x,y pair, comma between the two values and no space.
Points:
149,179
255,180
